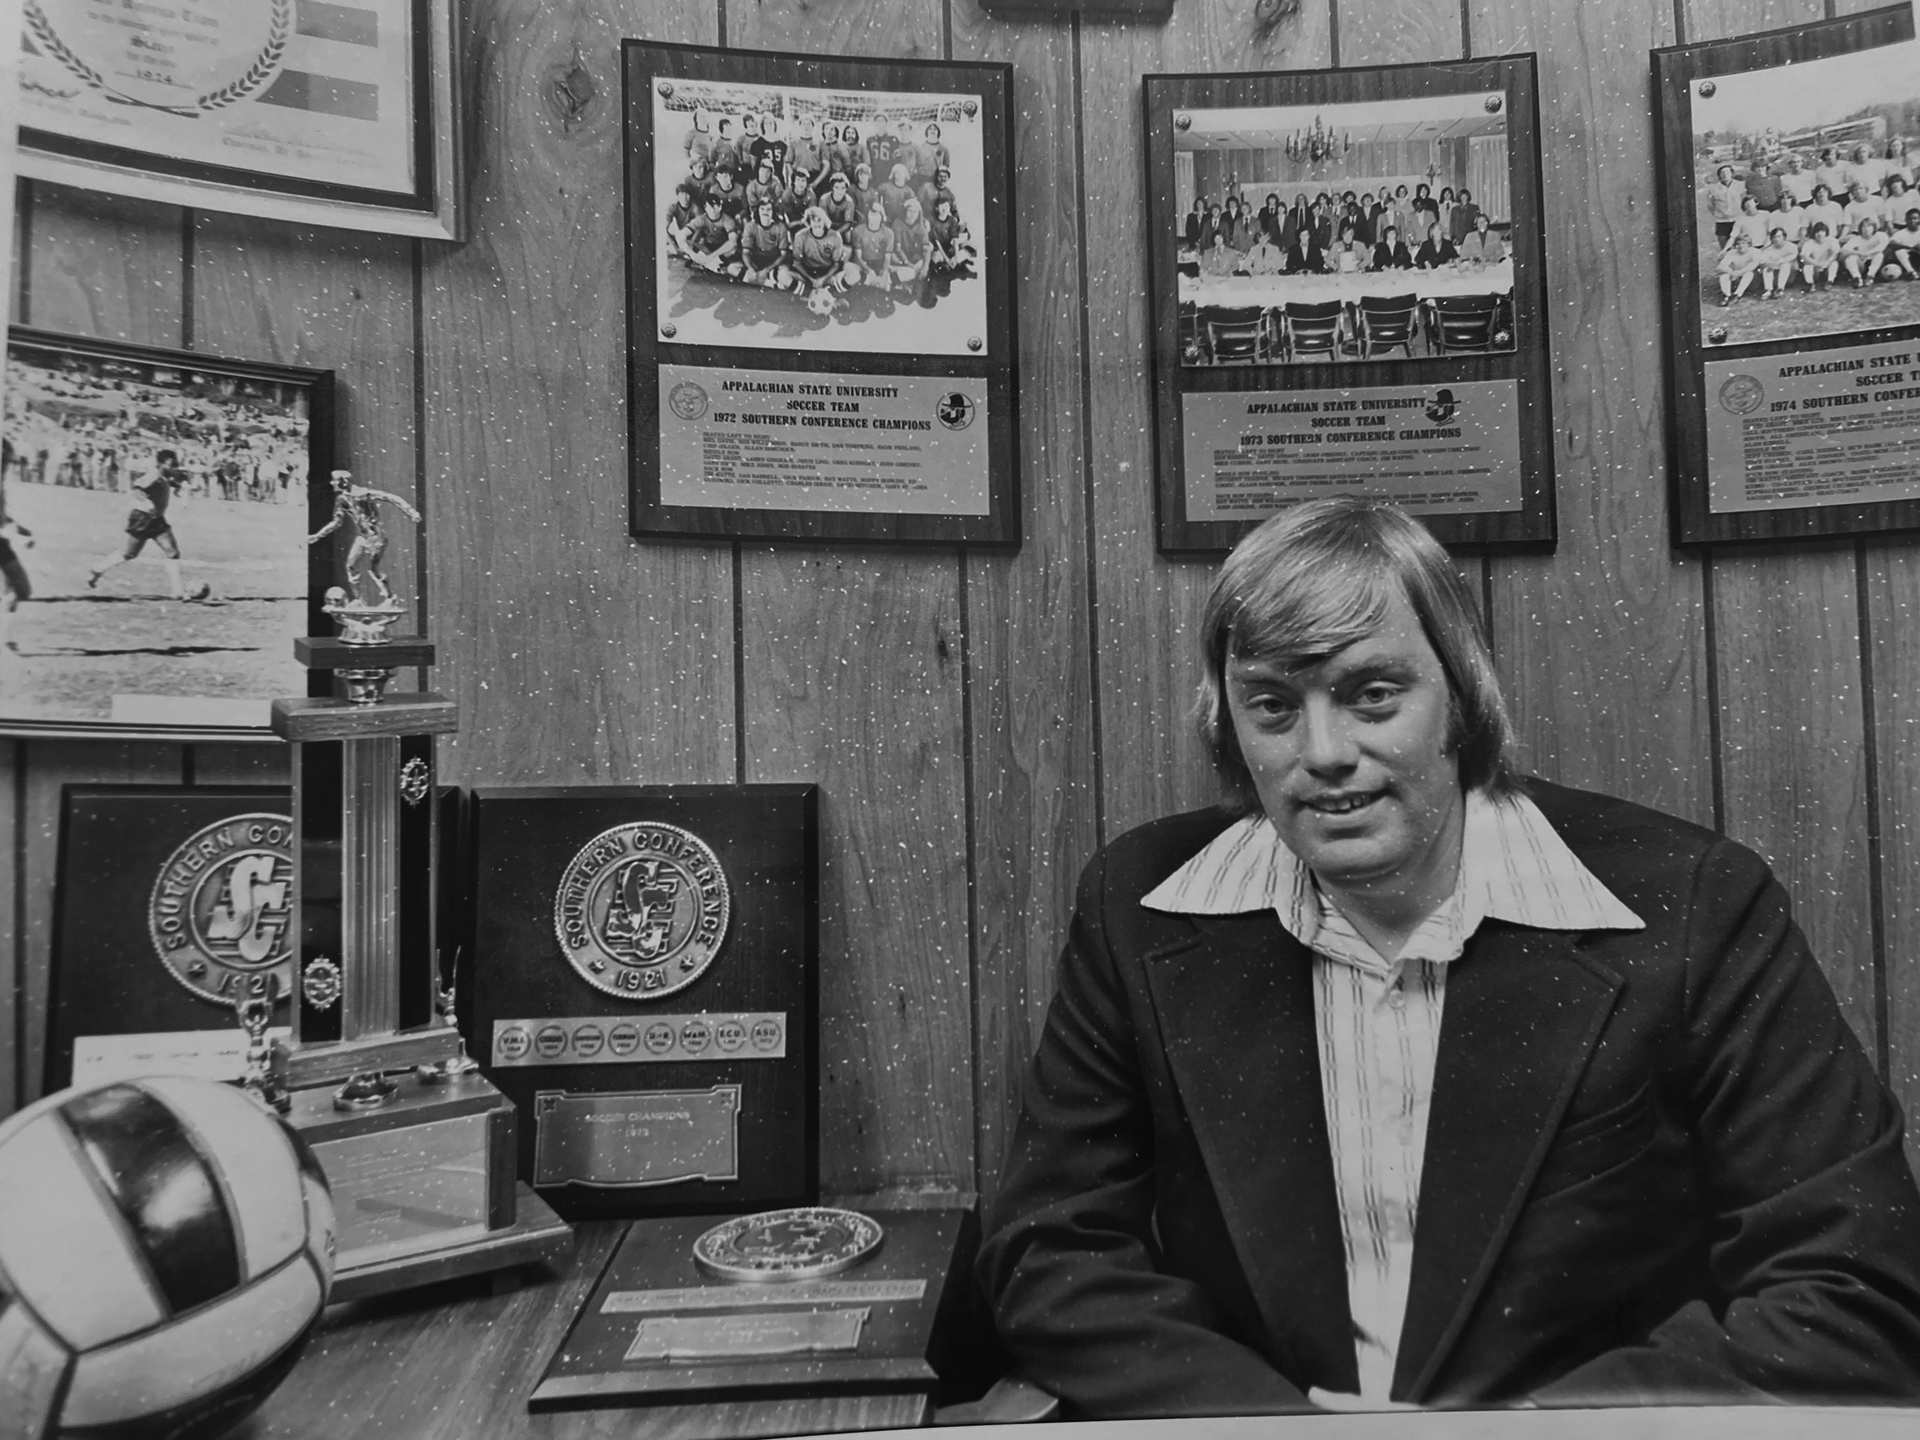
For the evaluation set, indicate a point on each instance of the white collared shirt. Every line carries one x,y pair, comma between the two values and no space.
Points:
1379,1022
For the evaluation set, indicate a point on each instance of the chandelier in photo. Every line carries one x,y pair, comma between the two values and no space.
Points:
1316,146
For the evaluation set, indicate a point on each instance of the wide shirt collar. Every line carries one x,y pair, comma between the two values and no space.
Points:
1513,867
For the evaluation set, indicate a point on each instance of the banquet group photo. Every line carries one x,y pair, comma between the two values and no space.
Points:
819,219
1370,231
1806,217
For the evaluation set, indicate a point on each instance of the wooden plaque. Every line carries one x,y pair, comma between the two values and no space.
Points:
640,979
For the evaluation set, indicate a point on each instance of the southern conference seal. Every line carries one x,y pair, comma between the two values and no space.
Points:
221,912
780,1245
642,909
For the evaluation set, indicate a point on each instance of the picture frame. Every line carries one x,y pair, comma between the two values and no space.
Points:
1796,372
155,507
1302,347
335,115
791,380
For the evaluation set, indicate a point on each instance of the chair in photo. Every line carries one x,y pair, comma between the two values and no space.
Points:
1386,322
1312,329
1461,322
1239,332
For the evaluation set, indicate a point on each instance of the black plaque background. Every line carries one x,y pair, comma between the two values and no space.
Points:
106,977
519,842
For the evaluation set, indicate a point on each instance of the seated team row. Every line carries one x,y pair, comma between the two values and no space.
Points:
1350,255
1413,214
811,215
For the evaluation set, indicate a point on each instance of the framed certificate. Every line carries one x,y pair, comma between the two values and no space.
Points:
342,113
1792,233
154,562
1348,275
820,270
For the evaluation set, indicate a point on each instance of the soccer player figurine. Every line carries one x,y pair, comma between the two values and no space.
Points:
365,615
149,522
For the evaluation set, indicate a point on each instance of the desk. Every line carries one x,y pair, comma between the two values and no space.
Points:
1274,291
453,1362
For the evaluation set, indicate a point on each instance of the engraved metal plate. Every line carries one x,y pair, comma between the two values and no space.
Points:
747,1297
704,1337
776,1245
221,911
636,1138
654,1039
642,909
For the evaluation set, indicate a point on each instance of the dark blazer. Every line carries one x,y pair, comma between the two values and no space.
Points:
1658,1166
1396,258
1314,260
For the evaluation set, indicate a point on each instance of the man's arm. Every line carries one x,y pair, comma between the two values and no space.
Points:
1817,1245
1069,1261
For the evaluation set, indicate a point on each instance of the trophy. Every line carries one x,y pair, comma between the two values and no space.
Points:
418,1148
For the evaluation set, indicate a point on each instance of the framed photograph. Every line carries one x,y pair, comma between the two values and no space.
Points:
154,513
170,904
1792,231
1348,298
318,114
820,270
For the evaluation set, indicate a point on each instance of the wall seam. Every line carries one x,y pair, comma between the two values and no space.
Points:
1086,440
187,296
969,794
17,758
739,672
422,578
23,192
1876,881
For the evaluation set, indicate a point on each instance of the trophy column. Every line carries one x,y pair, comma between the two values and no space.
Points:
419,1149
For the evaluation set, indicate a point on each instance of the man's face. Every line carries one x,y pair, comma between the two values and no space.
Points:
1350,756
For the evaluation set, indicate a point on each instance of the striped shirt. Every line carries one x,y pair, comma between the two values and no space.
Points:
1378,1021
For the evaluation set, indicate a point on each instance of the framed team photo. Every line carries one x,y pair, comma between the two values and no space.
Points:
1792,250
1348,297
819,271
1285,208
154,561
317,114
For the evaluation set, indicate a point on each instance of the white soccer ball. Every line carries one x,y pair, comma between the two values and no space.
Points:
166,1246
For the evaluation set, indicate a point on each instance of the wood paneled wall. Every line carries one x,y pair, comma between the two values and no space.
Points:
980,722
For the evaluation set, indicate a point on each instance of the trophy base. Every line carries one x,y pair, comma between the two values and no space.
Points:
330,1063
537,1236
423,1186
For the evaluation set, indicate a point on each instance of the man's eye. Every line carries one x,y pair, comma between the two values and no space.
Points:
1269,707
1375,696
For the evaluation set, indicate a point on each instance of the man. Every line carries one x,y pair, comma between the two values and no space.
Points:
1763,185
1404,1081
951,243
1723,204
821,261
764,246
148,523
1796,184
713,241
1266,258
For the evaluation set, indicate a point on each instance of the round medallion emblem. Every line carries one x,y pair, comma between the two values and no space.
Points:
221,912
687,400
1742,395
778,1245
642,909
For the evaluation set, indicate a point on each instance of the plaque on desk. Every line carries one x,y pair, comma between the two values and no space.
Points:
169,902
643,970
662,1328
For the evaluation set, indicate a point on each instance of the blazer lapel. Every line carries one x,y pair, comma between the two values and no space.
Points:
1236,1014
1523,1012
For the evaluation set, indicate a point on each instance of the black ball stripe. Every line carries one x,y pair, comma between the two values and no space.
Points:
164,1189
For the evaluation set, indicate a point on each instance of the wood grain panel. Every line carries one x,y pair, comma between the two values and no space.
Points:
104,266
1893,627
852,666
1792,754
1145,607
248,764
52,764
852,675
1029,647
333,300
577,655
1602,643
1792,708
1398,33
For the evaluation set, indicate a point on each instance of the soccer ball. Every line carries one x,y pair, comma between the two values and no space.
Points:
1889,271
201,592
821,301
166,1246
